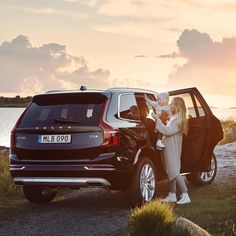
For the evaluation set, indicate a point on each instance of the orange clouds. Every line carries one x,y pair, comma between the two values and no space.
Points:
210,65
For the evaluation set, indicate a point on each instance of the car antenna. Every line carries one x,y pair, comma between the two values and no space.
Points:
83,88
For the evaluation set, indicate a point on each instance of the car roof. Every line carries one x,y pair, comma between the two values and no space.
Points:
75,91
109,90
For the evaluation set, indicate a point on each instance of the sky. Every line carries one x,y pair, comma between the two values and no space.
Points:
154,44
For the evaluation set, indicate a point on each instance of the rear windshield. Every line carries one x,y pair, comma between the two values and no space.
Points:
67,109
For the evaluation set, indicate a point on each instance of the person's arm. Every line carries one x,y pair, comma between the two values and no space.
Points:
164,116
150,102
167,131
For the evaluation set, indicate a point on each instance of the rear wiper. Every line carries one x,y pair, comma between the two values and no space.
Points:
64,121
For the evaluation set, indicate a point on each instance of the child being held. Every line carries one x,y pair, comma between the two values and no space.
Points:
163,111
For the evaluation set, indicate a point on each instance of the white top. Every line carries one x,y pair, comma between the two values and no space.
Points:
172,140
158,106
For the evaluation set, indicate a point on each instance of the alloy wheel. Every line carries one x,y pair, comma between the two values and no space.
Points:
208,175
147,182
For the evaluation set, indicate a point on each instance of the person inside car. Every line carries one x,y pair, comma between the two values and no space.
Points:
132,113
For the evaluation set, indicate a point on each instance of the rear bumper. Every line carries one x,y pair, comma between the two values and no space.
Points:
66,181
53,168
69,174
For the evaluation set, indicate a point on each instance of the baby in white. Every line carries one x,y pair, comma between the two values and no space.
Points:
162,108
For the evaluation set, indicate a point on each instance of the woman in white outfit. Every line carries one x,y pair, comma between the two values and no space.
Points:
173,133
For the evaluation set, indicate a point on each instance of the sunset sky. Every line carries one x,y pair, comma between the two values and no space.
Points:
155,44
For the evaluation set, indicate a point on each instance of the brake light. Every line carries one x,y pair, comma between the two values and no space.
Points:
110,134
13,133
13,141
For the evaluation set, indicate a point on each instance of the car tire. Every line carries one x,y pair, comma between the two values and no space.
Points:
204,178
143,187
38,194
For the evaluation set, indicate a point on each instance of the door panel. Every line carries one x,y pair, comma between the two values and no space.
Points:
133,132
193,145
194,142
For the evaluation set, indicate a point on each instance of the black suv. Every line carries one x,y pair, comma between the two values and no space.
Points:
105,138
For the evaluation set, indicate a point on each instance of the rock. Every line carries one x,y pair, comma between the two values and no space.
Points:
231,131
194,230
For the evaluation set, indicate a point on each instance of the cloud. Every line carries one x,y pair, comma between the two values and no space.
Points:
210,65
25,69
71,0
88,2
133,83
140,56
28,69
98,78
172,55
46,10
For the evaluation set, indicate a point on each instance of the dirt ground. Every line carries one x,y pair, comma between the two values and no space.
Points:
92,211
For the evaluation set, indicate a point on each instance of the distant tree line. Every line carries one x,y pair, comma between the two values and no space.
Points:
16,101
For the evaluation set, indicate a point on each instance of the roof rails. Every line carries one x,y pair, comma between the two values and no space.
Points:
54,91
84,88
127,88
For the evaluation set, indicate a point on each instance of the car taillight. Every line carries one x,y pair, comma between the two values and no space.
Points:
13,133
13,141
110,134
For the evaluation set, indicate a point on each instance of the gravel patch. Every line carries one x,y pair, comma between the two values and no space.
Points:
83,212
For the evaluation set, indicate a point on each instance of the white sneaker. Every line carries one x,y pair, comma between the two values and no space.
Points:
170,198
184,199
159,144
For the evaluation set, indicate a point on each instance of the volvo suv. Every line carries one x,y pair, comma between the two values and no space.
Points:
105,138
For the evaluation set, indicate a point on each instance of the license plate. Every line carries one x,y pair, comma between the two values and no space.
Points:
54,138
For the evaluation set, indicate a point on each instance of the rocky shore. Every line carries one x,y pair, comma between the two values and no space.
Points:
16,101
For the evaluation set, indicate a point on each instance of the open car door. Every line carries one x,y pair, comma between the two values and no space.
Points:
204,132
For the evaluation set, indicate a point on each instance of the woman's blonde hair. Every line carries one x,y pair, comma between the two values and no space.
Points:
181,114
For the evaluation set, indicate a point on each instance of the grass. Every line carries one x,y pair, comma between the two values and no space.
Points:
8,190
154,218
227,125
11,196
213,207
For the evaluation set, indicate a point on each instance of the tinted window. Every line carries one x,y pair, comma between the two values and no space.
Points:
151,97
128,107
189,105
199,107
144,109
82,109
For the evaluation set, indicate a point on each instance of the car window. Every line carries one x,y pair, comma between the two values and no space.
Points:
151,97
128,108
64,109
201,111
189,104
144,109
